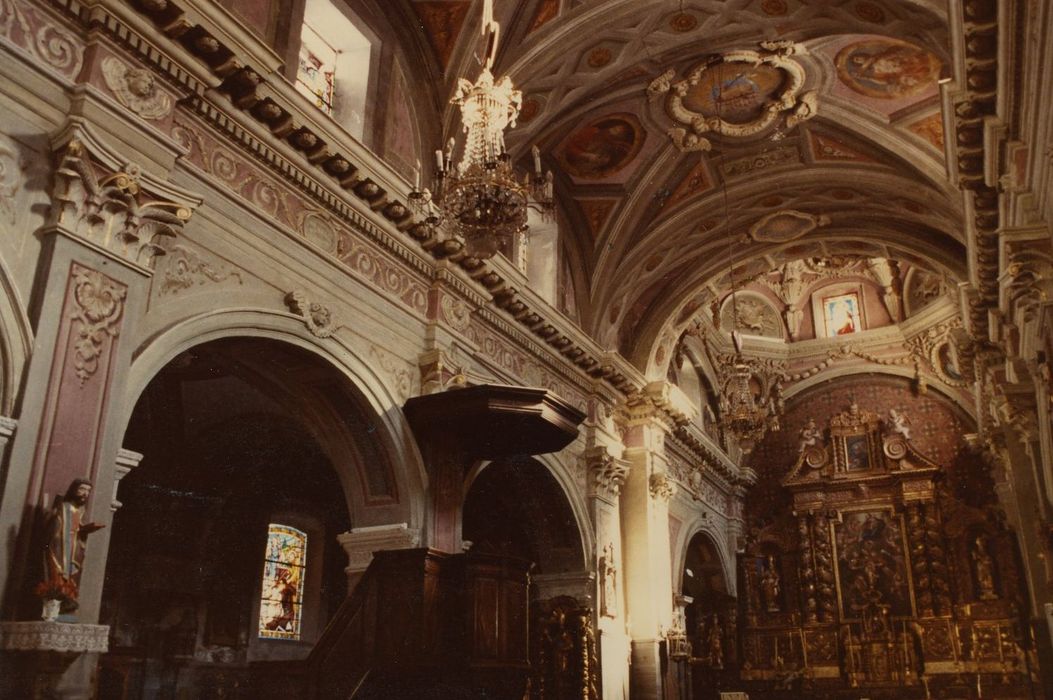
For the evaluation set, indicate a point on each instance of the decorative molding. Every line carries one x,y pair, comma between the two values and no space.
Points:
361,542
136,89
98,304
110,202
185,268
71,638
316,316
690,126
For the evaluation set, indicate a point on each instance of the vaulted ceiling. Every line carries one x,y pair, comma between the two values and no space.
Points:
830,141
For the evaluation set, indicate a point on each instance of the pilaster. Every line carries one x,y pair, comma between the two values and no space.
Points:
361,543
645,528
109,221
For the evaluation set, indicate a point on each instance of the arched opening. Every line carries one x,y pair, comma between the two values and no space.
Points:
709,619
224,556
517,508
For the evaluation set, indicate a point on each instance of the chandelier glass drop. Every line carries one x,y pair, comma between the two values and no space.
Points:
480,198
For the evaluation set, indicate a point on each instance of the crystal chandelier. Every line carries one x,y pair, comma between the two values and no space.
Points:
750,402
480,198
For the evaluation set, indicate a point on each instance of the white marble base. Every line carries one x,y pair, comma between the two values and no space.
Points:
54,636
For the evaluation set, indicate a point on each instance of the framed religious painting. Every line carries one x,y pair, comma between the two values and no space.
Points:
838,310
872,573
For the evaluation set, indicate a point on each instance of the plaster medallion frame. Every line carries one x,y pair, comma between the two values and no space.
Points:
690,126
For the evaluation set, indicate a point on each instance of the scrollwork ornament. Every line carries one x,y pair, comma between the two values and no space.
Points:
317,317
136,89
98,304
608,474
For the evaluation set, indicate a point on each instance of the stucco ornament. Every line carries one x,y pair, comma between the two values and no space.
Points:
736,94
136,89
317,317
97,309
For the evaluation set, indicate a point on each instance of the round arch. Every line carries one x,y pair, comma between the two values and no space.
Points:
561,474
396,438
705,526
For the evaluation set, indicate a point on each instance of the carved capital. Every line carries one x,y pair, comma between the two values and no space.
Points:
607,474
109,201
316,316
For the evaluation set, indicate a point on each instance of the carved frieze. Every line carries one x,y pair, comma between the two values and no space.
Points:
34,34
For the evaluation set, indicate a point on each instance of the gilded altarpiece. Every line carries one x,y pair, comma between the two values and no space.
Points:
886,584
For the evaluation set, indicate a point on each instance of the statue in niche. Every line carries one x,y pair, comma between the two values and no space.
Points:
898,424
66,535
771,586
811,434
984,567
608,572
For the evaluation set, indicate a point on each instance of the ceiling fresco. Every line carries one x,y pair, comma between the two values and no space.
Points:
689,135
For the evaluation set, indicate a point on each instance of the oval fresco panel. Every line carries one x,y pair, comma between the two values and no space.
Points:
735,92
603,147
886,68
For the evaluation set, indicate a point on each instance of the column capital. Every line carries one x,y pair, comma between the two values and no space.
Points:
102,198
607,473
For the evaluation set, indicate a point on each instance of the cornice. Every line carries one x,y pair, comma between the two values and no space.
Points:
198,48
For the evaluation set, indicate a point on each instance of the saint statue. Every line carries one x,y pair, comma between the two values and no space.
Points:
716,643
66,535
984,569
771,586
609,604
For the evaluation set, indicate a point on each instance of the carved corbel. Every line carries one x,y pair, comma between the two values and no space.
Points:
103,198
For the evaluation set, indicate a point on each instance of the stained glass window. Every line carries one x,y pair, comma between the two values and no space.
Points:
282,593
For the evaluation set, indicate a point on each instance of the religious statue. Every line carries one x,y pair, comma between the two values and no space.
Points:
984,570
716,643
66,535
898,424
771,585
609,603
810,436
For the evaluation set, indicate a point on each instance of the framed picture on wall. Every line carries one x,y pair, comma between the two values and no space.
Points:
838,310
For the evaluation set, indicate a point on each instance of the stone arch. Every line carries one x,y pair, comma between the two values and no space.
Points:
376,398
556,533
705,527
